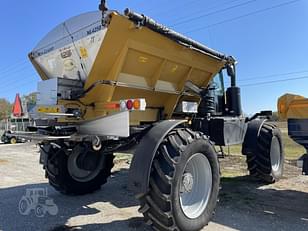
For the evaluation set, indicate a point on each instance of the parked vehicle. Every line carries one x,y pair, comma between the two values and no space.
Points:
11,138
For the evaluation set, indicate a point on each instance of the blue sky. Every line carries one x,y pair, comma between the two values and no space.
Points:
265,43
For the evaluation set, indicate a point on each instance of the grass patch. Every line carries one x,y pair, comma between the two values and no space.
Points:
292,150
123,157
228,173
234,149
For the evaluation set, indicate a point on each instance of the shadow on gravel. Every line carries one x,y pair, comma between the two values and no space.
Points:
244,205
114,192
247,204
135,223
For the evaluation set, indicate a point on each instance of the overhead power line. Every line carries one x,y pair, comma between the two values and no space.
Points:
173,8
210,7
213,13
17,87
271,75
19,62
11,67
18,71
243,16
20,79
274,81
8,68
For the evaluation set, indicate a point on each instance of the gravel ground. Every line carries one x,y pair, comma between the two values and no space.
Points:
244,204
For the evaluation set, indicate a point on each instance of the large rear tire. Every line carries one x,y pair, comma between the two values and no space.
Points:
62,172
267,161
184,183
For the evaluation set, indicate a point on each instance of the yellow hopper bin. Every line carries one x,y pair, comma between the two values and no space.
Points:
123,60
292,107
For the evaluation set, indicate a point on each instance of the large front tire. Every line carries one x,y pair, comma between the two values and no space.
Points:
62,172
184,183
267,161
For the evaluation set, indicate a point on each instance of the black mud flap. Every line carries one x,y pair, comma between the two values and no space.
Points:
305,164
140,168
251,136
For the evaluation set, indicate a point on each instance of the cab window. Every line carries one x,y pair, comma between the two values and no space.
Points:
218,82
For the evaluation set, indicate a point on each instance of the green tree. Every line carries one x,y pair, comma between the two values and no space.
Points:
5,108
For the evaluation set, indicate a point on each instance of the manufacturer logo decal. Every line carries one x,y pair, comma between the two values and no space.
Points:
66,54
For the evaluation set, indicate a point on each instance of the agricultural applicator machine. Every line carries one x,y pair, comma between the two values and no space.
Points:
114,82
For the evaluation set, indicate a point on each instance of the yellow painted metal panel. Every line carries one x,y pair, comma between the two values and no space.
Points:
292,106
141,57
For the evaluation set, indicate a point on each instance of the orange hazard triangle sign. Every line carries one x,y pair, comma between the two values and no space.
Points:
17,108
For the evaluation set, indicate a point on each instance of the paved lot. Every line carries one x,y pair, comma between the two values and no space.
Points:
244,205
